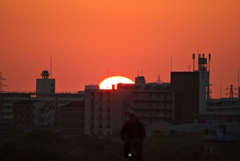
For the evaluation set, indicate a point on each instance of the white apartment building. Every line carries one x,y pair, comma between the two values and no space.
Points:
49,102
107,110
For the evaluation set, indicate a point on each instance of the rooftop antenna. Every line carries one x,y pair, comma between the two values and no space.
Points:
193,57
220,89
1,82
238,77
51,67
209,58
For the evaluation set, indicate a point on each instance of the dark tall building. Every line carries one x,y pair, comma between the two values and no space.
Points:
186,87
192,90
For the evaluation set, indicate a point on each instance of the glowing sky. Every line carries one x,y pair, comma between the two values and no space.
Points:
87,38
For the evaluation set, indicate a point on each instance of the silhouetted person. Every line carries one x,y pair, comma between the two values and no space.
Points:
133,134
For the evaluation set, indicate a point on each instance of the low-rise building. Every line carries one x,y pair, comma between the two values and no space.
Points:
224,109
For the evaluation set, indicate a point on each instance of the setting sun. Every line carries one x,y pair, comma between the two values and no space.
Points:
114,80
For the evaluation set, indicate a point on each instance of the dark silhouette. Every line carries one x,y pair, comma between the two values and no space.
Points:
132,135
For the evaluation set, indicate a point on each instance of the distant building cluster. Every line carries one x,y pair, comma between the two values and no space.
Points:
95,111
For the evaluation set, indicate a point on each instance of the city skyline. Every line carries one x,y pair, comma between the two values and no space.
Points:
89,40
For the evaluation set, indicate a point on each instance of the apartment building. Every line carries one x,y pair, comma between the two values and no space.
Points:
31,113
6,104
223,109
45,95
107,110
72,118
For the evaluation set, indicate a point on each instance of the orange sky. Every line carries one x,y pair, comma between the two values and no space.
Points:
85,38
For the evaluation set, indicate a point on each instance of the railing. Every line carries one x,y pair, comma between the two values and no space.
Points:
7,110
7,116
44,123
220,138
154,115
19,92
31,92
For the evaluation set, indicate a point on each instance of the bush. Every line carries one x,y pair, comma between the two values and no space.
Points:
41,135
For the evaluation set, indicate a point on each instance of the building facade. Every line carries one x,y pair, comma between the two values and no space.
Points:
32,113
6,105
107,110
72,118
192,90
224,109
48,101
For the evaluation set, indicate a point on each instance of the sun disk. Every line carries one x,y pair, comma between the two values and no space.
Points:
114,80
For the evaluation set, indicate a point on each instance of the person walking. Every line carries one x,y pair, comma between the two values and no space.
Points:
132,136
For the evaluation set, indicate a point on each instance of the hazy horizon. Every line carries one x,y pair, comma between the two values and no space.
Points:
88,39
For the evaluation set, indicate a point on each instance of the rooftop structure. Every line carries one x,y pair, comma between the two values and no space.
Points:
45,85
72,118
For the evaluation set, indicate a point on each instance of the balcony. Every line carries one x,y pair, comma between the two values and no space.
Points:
44,124
23,119
7,110
154,115
7,116
7,104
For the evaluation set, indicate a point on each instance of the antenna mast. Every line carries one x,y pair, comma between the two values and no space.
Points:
220,89
193,57
1,83
51,67
238,77
209,59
